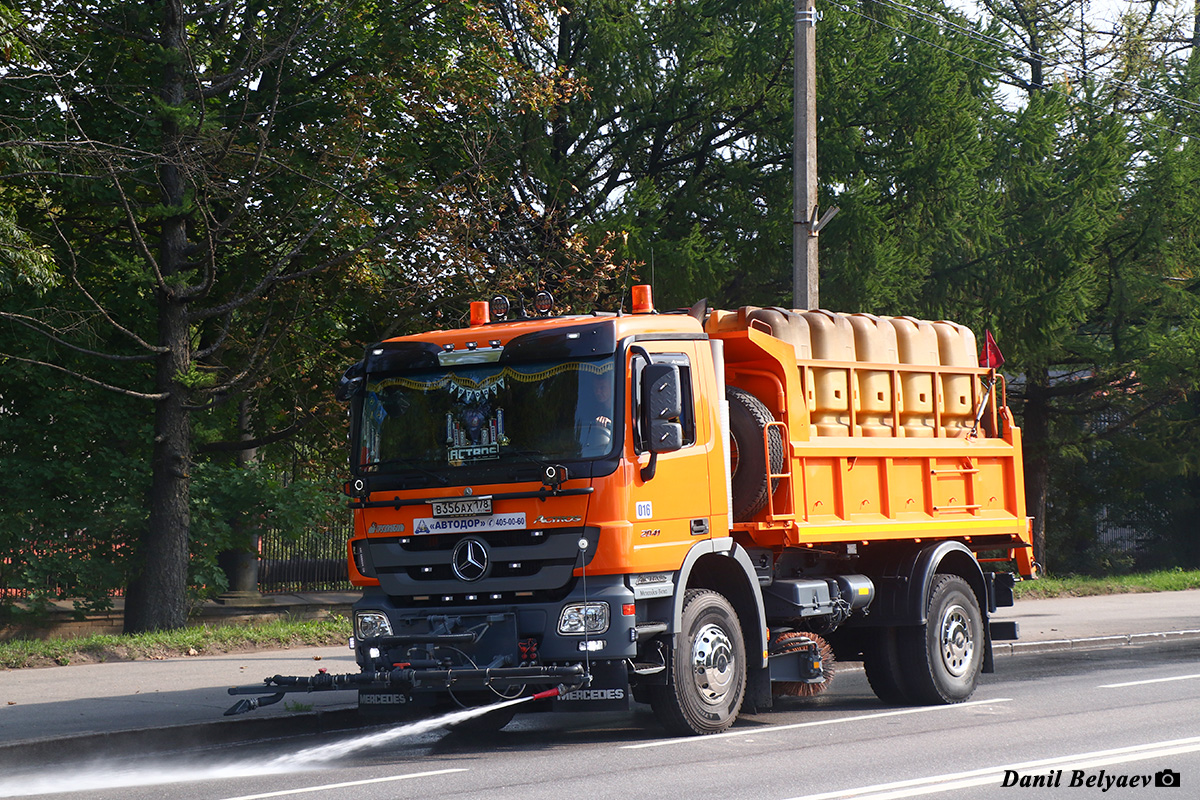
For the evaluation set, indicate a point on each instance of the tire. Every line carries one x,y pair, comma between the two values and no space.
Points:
942,659
748,418
881,661
708,669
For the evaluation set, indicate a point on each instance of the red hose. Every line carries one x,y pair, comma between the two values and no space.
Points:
546,695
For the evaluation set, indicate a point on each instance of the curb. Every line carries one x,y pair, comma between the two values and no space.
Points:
1092,642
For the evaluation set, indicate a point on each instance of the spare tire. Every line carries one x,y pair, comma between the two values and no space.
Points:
748,418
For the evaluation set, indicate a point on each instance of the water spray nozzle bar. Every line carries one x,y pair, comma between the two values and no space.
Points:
405,679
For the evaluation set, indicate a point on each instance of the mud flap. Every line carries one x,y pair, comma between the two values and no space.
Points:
608,691
372,702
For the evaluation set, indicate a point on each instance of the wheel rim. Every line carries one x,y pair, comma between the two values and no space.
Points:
956,641
713,665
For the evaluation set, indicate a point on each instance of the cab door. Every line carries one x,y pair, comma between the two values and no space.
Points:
670,510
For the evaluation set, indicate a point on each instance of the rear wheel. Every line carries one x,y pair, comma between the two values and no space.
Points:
708,668
881,662
942,659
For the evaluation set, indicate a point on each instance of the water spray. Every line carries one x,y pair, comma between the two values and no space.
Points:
103,776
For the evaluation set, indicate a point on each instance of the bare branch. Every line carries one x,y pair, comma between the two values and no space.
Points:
96,303
262,441
42,329
86,379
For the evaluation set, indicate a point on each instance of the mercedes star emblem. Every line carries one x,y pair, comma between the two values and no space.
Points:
470,560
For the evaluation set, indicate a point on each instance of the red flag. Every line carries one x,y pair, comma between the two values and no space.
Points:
991,357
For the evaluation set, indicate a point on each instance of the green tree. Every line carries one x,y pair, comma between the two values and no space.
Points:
653,112
21,259
909,104
218,178
1150,328
76,463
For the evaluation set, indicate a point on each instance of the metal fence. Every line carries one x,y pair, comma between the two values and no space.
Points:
315,562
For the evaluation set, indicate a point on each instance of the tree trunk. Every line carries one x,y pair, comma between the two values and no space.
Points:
1035,437
157,597
241,565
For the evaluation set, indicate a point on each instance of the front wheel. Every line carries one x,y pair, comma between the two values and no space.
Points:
708,668
943,657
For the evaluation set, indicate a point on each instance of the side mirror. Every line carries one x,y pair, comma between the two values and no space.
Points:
662,404
351,382
665,437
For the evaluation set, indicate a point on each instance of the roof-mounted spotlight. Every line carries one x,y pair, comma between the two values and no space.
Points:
543,302
500,306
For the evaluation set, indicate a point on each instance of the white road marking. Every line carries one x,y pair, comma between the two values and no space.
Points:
840,720
307,789
995,775
1145,682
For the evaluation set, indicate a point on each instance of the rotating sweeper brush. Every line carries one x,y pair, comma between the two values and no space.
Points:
819,650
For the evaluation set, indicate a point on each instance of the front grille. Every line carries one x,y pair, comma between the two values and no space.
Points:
518,561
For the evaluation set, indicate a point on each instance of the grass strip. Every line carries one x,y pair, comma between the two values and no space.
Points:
1084,586
192,641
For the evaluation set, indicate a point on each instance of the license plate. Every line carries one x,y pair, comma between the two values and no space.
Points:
467,507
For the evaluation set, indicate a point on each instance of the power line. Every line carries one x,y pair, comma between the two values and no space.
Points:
975,34
1020,52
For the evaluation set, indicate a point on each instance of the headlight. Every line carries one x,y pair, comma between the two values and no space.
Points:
578,619
369,624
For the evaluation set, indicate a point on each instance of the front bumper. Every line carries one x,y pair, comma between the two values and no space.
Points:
482,635
512,648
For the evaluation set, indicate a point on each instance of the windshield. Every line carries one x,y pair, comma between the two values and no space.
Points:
546,411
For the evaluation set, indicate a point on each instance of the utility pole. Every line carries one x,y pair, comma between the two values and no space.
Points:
805,225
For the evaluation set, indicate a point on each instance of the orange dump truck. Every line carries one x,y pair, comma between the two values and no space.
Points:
693,510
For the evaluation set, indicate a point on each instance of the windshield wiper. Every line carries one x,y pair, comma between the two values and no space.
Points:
532,456
409,466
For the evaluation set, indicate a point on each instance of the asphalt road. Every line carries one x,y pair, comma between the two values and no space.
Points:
1112,717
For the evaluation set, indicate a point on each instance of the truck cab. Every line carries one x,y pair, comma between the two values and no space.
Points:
524,498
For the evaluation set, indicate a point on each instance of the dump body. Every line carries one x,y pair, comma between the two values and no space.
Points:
892,434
